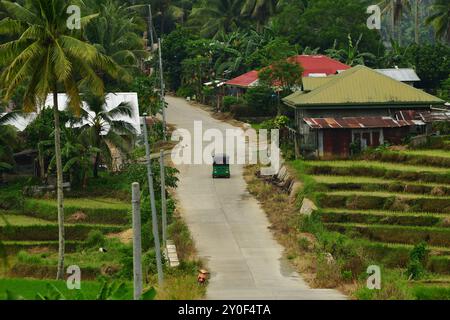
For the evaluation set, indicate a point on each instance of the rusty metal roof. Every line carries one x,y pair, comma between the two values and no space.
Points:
425,116
359,123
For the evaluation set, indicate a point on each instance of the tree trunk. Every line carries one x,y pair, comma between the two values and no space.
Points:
393,19
60,191
96,164
41,164
416,24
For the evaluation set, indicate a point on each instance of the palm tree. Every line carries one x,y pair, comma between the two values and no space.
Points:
260,10
104,131
78,154
416,20
8,139
45,56
440,19
116,33
395,8
217,17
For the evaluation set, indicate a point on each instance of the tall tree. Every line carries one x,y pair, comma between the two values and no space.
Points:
216,17
260,11
104,130
46,55
117,33
396,8
440,19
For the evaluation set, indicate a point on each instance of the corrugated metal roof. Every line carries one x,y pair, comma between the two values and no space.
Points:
362,86
319,64
311,64
246,80
359,123
427,117
403,75
310,84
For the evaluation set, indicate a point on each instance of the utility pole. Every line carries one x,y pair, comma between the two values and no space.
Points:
163,101
150,27
163,198
153,205
137,242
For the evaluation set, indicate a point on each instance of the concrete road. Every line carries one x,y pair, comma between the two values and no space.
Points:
231,230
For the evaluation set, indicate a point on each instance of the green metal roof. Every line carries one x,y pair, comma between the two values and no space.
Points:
312,83
361,86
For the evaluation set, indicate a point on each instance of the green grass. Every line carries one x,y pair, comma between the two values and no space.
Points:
379,218
326,179
49,232
386,194
377,164
428,152
28,288
19,220
89,203
12,247
97,210
380,212
88,258
395,234
431,293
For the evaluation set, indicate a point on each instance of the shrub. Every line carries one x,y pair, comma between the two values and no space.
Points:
432,293
229,101
48,210
185,91
95,239
26,258
417,261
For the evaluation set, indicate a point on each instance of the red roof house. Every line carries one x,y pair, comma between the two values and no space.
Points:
313,65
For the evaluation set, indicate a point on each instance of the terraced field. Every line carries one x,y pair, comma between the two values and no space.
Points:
387,207
29,233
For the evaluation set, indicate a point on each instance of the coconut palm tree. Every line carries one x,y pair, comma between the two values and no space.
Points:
260,10
116,33
217,17
440,19
103,130
395,8
46,56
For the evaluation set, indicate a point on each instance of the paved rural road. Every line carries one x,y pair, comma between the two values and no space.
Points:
231,230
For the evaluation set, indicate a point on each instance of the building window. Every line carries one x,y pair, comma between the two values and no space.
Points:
368,138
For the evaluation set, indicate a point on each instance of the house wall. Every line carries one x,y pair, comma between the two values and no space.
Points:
308,139
396,135
336,142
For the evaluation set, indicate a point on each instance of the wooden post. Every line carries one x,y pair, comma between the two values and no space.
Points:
137,242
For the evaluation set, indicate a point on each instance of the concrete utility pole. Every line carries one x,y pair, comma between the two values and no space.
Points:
163,101
153,205
150,27
163,198
137,242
